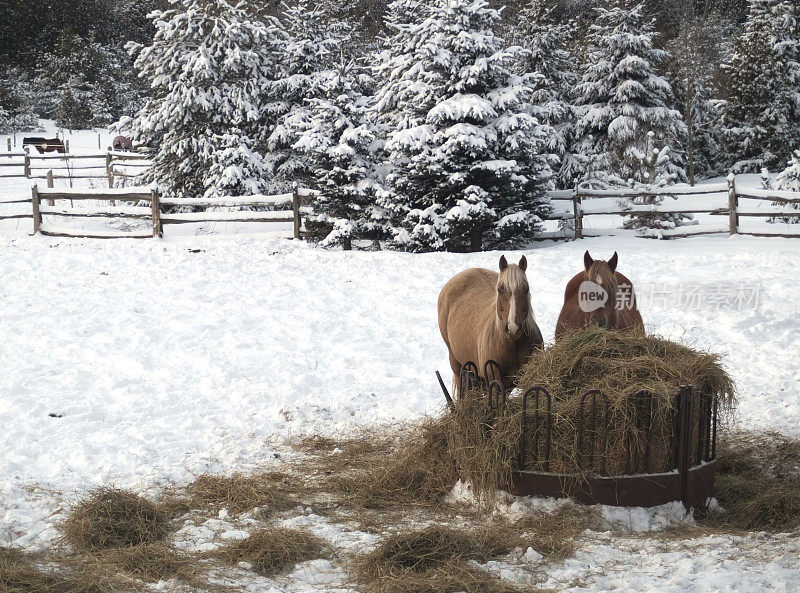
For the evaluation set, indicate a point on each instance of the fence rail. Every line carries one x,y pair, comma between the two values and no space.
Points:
729,196
116,164
152,212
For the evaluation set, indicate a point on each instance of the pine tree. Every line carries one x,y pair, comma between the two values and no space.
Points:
468,169
694,55
308,56
789,180
547,43
84,81
621,98
210,69
763,105
15,103
338,133
659,171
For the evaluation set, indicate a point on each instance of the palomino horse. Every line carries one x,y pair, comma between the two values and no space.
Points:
486,316
599,296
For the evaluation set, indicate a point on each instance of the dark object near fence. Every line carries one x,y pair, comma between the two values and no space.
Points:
122,143
45,144
692,446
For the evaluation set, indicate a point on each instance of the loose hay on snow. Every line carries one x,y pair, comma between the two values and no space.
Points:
112,518
20,573
758,482
418,471
273,549
485,444
270,491
434,560
115,568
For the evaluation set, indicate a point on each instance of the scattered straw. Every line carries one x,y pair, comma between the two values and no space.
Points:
758,482
417,472
269,491
151,562
20,573
434,560
111,518
272,550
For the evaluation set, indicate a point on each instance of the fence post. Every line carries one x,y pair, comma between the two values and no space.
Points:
66,145
99,145
155,203
733,203
27,163
37,213
50,184
685,440
296,209
110,172
576,205
9,144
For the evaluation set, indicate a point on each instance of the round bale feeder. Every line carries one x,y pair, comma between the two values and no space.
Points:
582,447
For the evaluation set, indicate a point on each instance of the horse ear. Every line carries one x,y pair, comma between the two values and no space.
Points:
503,263
612,263
587,261
523,263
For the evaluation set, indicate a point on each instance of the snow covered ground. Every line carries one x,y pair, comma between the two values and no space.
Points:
170,358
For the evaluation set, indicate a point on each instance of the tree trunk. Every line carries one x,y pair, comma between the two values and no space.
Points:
347,243
688,119
476,240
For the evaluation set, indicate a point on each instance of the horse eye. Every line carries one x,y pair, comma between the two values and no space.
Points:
500,290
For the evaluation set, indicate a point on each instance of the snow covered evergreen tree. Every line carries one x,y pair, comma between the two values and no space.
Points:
16,113
548,43
621,98
210,69
83,80
659,171
338,133
789,180
308,55
763,105
468,163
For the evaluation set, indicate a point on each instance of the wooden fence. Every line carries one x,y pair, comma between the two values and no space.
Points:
111,165
571,208
152,211
731,202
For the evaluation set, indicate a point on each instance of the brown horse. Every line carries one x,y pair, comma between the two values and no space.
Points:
599,296
45,144
122,143
486,316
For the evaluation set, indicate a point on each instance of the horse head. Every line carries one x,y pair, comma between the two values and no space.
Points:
513,304
604,283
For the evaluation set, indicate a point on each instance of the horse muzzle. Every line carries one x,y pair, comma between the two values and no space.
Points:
513,333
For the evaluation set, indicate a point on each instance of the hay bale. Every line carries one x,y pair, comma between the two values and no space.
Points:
112,518
485,444
272,550
620,363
